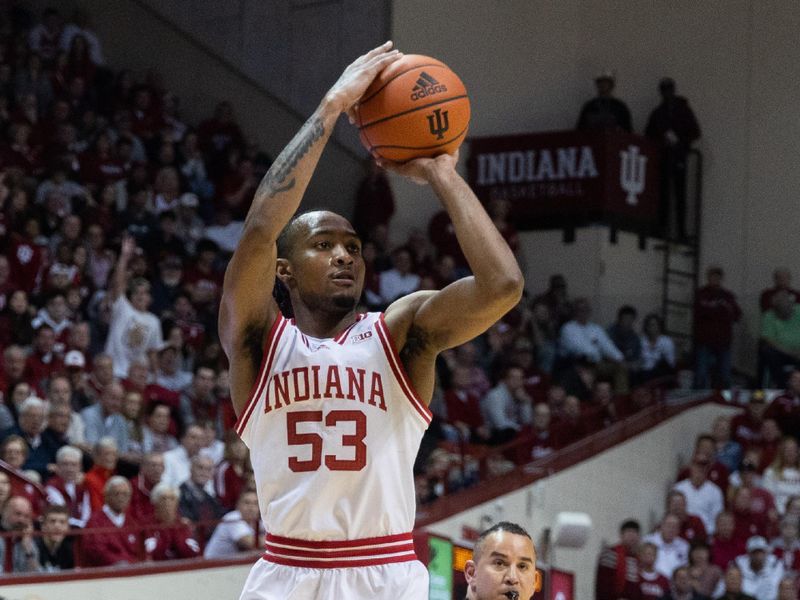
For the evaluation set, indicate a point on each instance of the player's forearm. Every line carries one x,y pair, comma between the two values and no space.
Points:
279,194
490,259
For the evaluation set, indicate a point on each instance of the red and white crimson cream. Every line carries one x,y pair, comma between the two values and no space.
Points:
333,427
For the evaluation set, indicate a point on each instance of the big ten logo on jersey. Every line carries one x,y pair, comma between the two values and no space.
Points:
355,339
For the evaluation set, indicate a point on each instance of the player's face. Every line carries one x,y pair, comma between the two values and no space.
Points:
506,568
326,268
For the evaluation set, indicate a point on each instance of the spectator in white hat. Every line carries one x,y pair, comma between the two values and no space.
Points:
761,570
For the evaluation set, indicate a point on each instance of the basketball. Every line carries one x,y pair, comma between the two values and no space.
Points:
416,107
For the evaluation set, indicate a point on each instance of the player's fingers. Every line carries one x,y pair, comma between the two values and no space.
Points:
384,47
378,63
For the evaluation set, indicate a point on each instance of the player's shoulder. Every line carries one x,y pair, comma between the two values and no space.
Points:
399,316
407,306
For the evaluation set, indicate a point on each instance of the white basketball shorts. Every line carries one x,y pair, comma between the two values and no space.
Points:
394,581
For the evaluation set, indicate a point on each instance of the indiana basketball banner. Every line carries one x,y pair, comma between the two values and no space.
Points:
565,178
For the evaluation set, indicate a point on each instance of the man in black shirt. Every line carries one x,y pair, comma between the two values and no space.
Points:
196,504
673,127
55,548
604,112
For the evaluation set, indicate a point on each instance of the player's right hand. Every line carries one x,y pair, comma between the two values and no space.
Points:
356,78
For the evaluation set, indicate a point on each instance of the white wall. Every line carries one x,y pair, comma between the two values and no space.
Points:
529,64
197,584
627,481
133,37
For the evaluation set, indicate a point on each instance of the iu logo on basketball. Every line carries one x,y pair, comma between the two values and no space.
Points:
632,173
438,123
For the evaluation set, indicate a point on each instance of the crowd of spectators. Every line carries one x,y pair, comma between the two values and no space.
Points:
731,521
116,218
116,222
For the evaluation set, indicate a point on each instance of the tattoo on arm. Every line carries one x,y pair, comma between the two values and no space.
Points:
274,181
417,341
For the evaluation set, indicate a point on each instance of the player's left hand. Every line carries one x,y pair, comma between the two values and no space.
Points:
356,78
421,170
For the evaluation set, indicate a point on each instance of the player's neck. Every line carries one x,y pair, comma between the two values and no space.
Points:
322,324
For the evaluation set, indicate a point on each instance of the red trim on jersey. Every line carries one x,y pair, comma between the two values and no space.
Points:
270,346
327,554
340,544
399,371
337,564
340,339
338,554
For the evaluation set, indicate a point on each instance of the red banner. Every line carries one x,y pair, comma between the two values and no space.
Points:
568,178
562,585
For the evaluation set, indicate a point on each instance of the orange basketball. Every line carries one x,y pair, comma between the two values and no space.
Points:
416,107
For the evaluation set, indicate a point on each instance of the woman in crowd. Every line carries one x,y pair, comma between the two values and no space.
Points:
782,478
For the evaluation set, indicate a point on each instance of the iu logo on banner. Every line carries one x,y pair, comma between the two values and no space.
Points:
632,173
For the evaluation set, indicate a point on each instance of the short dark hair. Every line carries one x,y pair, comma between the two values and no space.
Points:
55,509
630,524
501,526
626,309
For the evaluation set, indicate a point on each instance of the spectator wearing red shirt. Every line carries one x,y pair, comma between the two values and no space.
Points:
652,584
142,485
769,442
571,427
231,474
725,546
715,312
202,280
785,409
169,536
28,259
748,523
220,132
100,166
542,438
761,501
110,547
746,426
782,281
463,407
618,565
66,487
43,362
786,547
692,528
105,463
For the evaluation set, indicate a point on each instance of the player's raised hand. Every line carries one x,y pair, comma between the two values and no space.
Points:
421,170
358,75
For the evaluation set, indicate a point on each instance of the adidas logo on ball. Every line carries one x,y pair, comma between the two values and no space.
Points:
426,86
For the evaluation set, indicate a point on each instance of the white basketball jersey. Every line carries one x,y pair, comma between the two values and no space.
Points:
333,427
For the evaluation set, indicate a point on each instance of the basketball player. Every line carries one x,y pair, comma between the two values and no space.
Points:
503,565
333,404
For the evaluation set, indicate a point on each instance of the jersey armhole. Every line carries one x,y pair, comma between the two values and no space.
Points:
270,346
399,371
